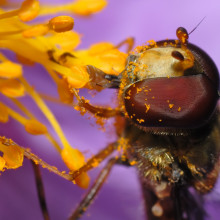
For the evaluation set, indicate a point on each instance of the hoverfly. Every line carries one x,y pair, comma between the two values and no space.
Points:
168,93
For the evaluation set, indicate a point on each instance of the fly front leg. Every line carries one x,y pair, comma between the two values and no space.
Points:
103,112
95,160
129,42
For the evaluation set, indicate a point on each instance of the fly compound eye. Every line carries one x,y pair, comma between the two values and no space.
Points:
180,102
178,89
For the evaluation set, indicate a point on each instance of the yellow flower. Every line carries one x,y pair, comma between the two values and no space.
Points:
52,44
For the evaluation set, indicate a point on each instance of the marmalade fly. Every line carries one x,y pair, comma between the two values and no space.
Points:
168,95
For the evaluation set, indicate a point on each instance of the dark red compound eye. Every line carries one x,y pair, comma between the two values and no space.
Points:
178,102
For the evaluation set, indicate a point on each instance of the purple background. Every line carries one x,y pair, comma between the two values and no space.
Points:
120,197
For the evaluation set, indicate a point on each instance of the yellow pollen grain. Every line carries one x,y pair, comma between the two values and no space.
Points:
139,90
127,97
140,120
179,109
171,106
147,107
133,162
160,120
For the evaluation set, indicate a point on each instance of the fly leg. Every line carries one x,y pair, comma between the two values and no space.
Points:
94,161
95,110
129,42
93,191
40,191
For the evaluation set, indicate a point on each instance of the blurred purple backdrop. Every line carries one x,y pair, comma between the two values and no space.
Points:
120,197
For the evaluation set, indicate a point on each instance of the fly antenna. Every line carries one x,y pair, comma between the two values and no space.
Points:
197,25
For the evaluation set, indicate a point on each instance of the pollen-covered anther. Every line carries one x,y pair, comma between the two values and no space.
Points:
61,23
10,70
12,88
13,155
35,127
29,10
87,7
74,159
2,164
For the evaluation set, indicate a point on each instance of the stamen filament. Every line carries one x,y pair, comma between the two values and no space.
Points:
46,111
17,116
9,14
31,116
39,161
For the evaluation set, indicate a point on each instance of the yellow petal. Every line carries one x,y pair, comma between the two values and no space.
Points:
61,23
10,70
12,88
35,127
37,30
87,7
83,180
13,155
3,113
29,10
